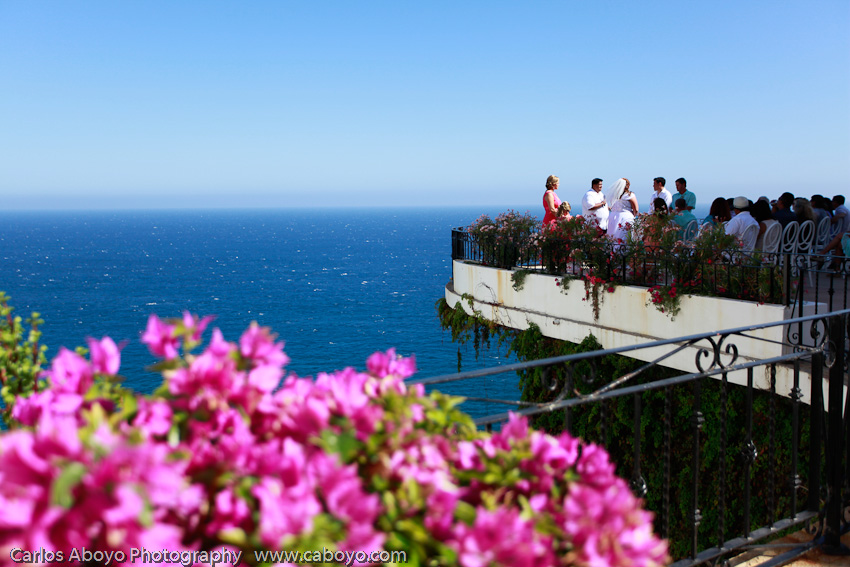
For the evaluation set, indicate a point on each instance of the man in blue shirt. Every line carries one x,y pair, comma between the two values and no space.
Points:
690,198
782,209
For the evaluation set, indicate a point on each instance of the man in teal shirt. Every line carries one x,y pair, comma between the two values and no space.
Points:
690,198
683,216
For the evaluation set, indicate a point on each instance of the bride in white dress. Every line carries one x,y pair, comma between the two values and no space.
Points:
623,209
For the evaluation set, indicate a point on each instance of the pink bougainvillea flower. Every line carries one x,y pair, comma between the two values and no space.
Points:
218,346
257,345
154,417
105,355
284,510
230,512
382,364
196,326
501,537
29,410
608,527
160,338
227,453
265,378
70,372
207,374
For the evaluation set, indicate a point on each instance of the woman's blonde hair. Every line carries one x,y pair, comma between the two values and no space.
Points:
551,181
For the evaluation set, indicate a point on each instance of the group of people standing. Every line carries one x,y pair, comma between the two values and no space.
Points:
614,209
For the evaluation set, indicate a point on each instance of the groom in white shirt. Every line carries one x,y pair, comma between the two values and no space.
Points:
593,205
660,192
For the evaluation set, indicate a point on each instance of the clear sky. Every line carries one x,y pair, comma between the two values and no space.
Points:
128,104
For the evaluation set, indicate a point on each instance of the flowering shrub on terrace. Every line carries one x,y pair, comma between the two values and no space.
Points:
656,233
505,241
566,243
229,453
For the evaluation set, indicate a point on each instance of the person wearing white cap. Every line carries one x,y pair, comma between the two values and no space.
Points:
741,222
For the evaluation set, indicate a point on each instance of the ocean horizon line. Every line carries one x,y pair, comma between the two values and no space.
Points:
247,209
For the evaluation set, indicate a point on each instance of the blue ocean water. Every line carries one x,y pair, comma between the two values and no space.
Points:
335,285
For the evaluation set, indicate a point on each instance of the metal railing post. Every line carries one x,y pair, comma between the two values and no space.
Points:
816,417
786,279
835,437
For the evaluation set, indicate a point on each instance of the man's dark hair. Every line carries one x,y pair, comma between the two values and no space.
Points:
681,204
839,199
761,211
595,181
787,199
682,181
660,180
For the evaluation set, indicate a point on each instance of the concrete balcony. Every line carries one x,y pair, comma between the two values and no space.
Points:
627,318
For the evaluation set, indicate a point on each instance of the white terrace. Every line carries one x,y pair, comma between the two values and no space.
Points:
626,318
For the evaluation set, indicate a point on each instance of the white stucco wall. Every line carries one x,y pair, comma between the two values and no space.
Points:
626,318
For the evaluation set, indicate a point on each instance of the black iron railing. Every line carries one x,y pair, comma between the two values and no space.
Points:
803,480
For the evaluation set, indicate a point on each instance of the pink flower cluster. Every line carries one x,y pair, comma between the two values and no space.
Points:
230,452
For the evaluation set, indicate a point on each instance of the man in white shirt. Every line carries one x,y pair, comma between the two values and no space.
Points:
660,192
593,205
741,222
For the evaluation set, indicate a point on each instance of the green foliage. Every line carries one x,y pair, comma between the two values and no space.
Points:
566,242
22,360
21,355
465,328
518,279
505,241
577,249
666,299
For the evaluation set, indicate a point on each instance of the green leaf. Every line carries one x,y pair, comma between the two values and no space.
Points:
345,444
465,512
62,489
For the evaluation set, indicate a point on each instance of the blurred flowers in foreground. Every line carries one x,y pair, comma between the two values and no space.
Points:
229,452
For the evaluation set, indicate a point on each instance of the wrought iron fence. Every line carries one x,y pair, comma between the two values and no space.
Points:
792,279
769,478
729,273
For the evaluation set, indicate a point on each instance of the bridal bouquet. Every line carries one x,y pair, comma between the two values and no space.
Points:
230,456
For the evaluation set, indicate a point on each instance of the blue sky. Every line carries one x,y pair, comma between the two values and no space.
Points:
148,104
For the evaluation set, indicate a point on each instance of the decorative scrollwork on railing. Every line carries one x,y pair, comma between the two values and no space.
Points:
829,353
589,378
564,379
799,262
793,337
717,349
818,332
552,383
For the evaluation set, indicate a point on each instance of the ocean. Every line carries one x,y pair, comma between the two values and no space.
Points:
335,285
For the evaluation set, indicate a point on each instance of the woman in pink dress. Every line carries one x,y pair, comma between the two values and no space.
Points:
551,202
